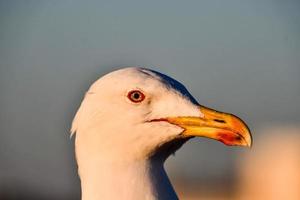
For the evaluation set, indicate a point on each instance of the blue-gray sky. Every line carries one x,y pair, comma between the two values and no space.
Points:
237,56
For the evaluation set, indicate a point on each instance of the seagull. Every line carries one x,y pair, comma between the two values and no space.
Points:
129,122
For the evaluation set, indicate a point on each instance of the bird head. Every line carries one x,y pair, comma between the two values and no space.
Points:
137,113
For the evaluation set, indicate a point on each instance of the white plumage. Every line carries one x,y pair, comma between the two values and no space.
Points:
129,122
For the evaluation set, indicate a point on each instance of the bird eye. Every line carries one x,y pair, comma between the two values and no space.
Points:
136,96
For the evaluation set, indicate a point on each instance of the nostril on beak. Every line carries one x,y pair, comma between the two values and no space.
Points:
219,120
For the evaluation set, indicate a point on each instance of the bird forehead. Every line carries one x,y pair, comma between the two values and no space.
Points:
140,78
128,78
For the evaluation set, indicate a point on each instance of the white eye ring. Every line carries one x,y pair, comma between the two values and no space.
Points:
136,96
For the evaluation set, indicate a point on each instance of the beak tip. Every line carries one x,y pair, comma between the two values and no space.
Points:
248,145
248,142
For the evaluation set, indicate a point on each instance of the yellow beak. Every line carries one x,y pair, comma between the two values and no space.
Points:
220,126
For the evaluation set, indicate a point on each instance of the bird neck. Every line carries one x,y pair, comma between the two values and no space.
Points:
145,179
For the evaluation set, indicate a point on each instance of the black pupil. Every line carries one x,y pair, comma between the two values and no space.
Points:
136,95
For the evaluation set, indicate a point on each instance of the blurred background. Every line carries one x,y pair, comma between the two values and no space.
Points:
241,57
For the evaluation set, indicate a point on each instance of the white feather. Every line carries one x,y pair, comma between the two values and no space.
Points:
114,141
